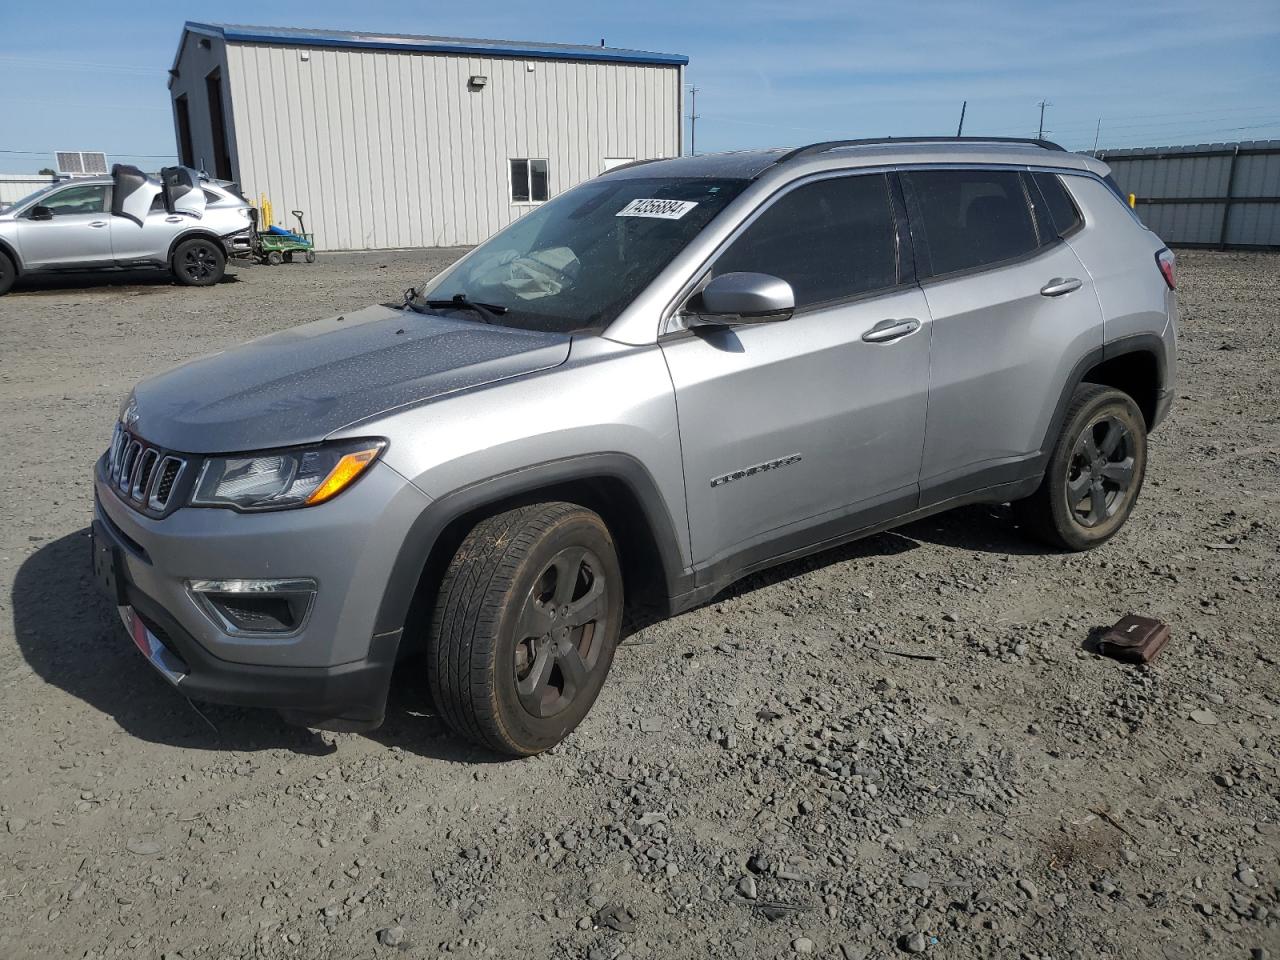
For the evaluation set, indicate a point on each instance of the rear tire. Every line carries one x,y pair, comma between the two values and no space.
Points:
199,263
525,625
8,274
310,256
275,258
1094,474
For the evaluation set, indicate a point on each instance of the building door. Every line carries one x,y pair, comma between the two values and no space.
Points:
218,126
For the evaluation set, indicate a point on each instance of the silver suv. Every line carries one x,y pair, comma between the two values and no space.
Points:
671,376
88,224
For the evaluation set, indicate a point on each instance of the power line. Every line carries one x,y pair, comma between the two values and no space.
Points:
56,64
114,153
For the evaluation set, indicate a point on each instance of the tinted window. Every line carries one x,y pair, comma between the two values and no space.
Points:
970,218
830,240
90,198
1062,211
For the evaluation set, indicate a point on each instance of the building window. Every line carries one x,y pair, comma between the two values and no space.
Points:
528,181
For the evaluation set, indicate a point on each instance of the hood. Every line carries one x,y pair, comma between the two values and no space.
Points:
300,385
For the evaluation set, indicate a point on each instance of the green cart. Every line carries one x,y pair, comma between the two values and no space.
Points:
276,245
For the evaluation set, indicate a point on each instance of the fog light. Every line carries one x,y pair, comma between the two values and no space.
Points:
273,607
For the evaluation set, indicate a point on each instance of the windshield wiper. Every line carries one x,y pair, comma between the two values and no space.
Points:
488,311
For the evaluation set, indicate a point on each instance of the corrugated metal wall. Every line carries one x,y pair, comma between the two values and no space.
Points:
15,186
389,149
1210,194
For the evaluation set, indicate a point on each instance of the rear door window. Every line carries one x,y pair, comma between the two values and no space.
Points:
1063,217
969,219
831,240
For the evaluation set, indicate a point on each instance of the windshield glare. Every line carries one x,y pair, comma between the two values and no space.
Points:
577,261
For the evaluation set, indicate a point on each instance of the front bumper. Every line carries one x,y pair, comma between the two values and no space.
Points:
336,667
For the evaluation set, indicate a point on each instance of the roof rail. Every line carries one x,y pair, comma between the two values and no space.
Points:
824,146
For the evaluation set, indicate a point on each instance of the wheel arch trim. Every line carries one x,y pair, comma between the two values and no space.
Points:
11,252
420,541
1147,343
199,233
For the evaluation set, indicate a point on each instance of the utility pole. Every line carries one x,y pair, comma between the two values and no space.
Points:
1043,104
963,107
1097,133
693,121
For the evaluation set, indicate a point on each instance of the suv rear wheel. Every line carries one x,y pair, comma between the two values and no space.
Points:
199,262
1095,471
8,273
525,626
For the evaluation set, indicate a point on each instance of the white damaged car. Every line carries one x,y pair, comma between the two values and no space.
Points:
181,221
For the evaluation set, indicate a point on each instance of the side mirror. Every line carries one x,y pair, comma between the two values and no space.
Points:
743,298
40,212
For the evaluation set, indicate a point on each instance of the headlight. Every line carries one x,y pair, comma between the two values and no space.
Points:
277,479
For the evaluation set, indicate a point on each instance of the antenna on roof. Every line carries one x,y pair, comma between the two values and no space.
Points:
960,129
602,41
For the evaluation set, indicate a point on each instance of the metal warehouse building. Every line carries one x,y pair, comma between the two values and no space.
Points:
398,140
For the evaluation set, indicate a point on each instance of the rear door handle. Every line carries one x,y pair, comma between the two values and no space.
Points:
98,223
1060,285
886,331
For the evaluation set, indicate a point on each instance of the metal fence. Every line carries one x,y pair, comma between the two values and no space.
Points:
1208,195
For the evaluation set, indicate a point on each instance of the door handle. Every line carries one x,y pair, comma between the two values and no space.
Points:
98,223
1060,285
886,331
173,219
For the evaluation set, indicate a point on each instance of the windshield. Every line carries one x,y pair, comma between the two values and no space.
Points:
577,261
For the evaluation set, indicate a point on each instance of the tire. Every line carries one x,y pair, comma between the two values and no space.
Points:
199,263
275,258
310,256
8,274
1095,472
494,680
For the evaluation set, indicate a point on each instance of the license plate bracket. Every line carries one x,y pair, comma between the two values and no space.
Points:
108,566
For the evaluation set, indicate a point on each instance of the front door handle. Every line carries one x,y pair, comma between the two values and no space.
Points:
1060,285
98,223
174,219
886,331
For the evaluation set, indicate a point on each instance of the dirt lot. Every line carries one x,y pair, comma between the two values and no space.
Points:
766,776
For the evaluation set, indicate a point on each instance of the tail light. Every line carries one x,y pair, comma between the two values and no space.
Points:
1166,261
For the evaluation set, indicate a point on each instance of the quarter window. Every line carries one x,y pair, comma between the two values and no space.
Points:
830,240
90,198
1062,211
528,181
970,218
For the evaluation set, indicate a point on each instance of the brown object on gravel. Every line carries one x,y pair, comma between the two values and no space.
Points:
1134,639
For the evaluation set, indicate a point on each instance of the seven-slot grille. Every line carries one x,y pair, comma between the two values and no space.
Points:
142,474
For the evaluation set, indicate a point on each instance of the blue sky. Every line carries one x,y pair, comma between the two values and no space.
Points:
91,75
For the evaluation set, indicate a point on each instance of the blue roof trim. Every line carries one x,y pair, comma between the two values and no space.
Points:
423,44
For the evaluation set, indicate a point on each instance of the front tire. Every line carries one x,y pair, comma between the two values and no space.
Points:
525,626
1095,472
8,274
199,263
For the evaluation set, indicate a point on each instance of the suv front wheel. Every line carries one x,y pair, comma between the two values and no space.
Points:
1095,471
199,262
525,625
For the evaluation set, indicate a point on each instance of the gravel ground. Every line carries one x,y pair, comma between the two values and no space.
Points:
770,775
